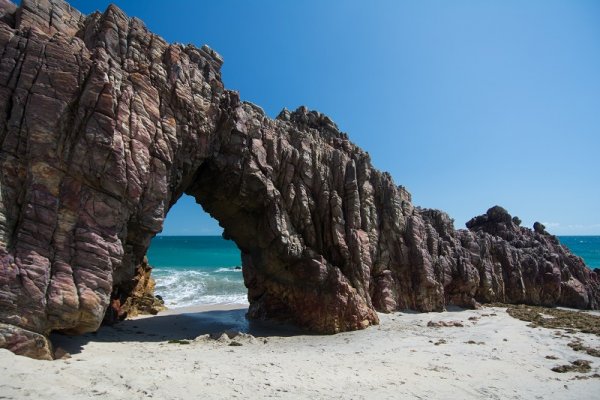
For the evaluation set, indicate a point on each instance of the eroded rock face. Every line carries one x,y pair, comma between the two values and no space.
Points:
105,126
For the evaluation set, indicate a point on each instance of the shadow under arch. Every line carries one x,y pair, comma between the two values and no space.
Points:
178,324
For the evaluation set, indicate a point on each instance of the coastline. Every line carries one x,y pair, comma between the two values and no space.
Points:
481,353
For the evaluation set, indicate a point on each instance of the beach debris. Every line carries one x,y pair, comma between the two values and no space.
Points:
232,333
222,338
225,338
439,324
575,366
474,342
551,357
202,338
178,341
571,320
578,345
584,377
441,341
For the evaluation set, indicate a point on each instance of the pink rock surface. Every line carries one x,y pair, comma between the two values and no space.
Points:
105,125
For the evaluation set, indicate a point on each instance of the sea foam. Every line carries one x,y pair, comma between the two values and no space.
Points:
182,288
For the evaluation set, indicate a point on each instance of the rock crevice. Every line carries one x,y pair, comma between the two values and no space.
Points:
105,125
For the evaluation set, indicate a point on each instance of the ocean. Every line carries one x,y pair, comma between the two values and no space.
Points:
586,247
192,270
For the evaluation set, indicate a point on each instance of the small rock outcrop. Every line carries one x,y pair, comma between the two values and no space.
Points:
138,295
104,125
134,297
25,343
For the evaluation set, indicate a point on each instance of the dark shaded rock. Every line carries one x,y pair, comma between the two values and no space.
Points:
105,125
496,221
539,228
7,12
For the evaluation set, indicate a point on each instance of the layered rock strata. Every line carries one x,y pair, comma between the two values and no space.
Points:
105,125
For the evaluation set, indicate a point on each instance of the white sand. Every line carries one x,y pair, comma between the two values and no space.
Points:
396,359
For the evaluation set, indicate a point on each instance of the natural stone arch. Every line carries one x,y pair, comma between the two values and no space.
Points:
259,183
265,189
105,125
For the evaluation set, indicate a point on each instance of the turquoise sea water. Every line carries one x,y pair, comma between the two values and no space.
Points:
586,247
193,270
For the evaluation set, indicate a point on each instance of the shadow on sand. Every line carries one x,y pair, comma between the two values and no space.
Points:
185,326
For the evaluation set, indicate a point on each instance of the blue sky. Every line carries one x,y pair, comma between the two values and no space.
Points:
466,103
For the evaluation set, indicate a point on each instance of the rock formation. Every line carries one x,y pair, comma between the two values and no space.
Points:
105,125
134,297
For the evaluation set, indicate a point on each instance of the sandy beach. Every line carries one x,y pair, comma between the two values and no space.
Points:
181,354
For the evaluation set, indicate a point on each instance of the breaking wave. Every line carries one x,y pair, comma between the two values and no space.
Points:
187,287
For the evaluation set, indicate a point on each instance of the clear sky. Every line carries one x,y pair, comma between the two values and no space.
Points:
466,103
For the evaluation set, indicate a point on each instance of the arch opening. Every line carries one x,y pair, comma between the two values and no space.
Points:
192,263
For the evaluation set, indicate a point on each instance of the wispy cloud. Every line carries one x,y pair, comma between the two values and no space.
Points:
583,226
563,228
551,224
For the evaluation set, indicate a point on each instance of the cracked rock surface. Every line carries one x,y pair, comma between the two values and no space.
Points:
104,125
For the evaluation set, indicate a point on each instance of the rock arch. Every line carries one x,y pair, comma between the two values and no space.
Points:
105,125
